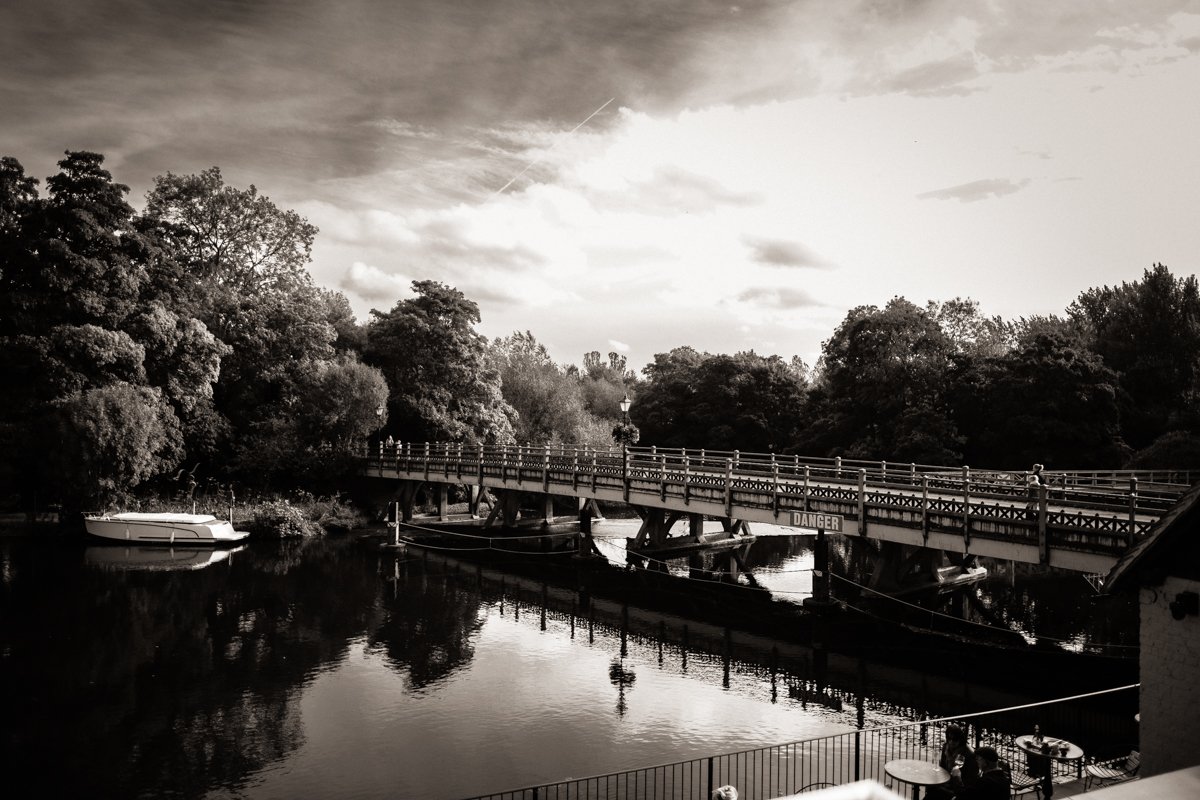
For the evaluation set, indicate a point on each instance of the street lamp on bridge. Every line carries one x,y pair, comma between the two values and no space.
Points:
625,404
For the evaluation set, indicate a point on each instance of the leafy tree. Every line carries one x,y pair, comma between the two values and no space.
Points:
110,439
882,391
1051,402
1172,450
1149,332
970,333
91,312
351,337
548,403
605,382
744,401
663,407
436,366
235,239
248,261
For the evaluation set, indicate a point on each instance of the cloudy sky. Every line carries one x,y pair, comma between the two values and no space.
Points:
755,169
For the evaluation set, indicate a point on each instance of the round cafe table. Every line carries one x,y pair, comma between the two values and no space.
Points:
1041,757
917,772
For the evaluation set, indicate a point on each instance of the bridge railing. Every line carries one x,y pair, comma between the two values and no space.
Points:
1093,721
975,502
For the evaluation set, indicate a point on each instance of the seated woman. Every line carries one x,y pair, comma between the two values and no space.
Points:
993,783
959,761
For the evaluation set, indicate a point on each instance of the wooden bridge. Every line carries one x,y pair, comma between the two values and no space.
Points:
1083,521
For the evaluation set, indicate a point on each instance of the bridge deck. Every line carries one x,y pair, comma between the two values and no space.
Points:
1083,524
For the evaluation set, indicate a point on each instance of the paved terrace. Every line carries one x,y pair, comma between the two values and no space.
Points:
1083,521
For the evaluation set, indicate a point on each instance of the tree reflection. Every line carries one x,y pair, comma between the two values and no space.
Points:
428,627
151,683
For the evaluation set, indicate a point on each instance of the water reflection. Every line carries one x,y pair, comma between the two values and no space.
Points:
324,669
143,681
1032,604
155,558
429,624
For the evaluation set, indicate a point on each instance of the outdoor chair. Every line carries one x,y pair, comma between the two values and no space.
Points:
812,787
1112,770
1020,782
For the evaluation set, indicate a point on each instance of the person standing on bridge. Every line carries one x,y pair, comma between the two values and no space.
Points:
1033,481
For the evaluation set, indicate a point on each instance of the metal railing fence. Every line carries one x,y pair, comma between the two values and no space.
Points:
1095,721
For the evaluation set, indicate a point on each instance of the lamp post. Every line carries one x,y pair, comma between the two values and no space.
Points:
625,404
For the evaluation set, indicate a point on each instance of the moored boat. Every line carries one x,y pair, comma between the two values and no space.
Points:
163,528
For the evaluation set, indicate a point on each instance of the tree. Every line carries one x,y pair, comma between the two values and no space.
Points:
333,408
236,239
248,261
1149,332
547,402
739,402
110,439
662,408
91,313
604,382
436,366
970,333
1051,402
882,391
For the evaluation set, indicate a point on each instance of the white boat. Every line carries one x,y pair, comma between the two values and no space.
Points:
163,528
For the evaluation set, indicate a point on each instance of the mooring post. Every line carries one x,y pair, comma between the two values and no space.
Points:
394,522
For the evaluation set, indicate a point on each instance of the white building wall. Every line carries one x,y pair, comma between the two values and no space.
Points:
1170,678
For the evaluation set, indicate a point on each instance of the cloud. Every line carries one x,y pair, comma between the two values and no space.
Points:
781,253
976,190
372,283
620,347
777,297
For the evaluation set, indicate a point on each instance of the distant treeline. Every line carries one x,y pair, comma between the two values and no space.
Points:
186,346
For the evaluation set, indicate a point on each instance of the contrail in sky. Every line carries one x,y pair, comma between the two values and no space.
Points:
536,160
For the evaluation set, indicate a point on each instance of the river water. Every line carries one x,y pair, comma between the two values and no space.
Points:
330,669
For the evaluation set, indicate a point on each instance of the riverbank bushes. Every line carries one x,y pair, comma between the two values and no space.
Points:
300,516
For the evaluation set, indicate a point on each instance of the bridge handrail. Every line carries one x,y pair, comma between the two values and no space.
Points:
994,484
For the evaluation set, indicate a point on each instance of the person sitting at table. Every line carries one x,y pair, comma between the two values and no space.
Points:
959,761
993,783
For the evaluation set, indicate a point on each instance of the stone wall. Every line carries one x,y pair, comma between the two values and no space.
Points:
1170,678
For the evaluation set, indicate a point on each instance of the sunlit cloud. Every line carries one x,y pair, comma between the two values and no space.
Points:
372,283
777,297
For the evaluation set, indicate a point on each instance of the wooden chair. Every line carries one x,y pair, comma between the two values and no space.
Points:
1113,770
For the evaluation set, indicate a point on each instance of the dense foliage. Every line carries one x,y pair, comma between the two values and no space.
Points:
190,338
191,333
